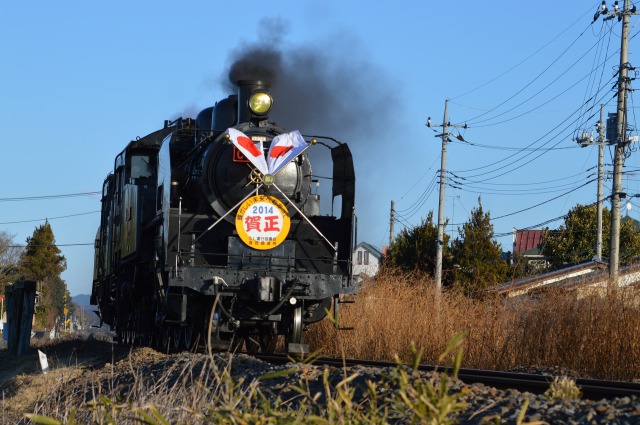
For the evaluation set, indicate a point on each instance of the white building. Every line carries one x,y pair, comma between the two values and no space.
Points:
366,260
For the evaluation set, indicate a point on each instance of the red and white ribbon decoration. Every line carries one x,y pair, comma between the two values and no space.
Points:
283,149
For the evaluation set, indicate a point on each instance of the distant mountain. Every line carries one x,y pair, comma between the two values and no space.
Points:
82,299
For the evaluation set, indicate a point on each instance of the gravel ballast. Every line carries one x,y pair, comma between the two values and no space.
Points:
483,404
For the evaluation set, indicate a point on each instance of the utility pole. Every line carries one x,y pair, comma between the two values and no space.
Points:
391,222
587,140
601,142
621,141
617,194
443,165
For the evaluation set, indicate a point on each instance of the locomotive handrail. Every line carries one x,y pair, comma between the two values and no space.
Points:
188,155
325,137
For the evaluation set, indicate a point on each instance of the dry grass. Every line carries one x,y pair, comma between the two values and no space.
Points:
194,389
596,336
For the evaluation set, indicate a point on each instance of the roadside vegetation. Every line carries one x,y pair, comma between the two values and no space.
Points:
593,334
40,260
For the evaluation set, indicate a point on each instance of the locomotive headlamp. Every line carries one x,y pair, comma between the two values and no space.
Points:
260,102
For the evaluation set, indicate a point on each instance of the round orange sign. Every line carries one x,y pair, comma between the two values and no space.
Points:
262,222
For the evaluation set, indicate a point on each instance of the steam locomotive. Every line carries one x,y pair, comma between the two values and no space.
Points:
211,231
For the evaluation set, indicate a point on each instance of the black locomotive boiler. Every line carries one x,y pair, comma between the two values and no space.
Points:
211,231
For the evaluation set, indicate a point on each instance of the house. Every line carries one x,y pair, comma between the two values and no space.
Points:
527,243
366,260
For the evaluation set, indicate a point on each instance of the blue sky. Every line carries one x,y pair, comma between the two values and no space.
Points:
80,79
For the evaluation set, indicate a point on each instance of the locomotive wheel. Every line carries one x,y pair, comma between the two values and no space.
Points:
295,332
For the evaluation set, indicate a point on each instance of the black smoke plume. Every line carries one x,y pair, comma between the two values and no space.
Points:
328,88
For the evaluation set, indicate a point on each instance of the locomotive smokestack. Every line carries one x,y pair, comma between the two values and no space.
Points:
246,88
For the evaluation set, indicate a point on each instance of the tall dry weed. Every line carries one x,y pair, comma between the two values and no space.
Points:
595,334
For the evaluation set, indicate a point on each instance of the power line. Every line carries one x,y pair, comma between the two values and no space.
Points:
50,218
508,148
38,198
471,120
515,161
540,148
525,59
556,180
537,205
562,74
577,81
512,192
417,205
55,244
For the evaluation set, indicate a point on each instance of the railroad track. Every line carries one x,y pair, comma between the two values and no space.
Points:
592,389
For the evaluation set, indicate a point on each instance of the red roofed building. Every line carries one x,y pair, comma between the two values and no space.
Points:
527,243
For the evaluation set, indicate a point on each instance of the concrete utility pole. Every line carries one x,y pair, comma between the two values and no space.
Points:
587,140
443,178
391,222
601,142
617,194
621,141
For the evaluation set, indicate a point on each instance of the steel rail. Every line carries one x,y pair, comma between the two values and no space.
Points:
592,389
